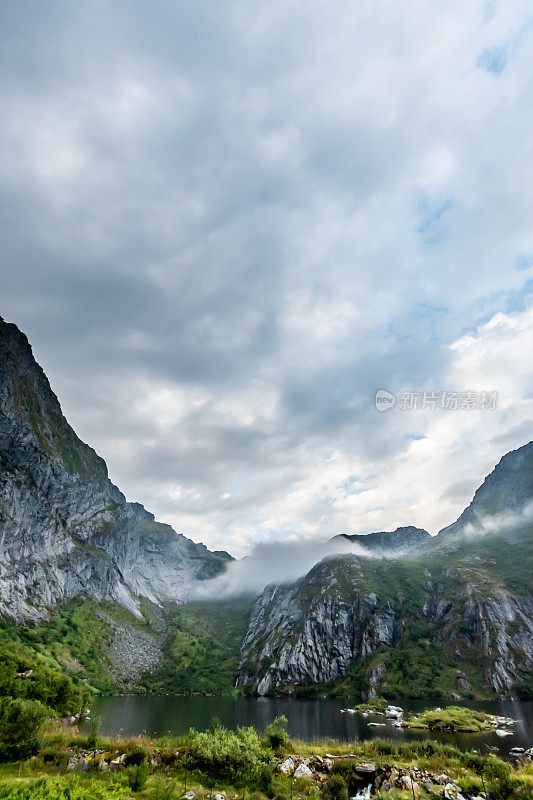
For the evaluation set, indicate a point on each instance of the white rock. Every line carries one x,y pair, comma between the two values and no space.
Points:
78,763
501,733
302,771
452,792
287,766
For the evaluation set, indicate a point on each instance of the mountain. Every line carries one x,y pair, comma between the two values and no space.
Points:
504,496
86,573
65,529
451,617
399,541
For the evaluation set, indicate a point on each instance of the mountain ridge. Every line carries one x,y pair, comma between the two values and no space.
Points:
468,598
401,540
449,615
65,528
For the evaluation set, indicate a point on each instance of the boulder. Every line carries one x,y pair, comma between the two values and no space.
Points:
287,766
453,792
78,763
365,769
408,783
117,763
302,771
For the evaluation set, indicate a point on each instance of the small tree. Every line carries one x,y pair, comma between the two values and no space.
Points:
335,788
276,733
137,776
21,723
93,726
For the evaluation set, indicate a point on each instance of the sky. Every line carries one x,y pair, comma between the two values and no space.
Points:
226,226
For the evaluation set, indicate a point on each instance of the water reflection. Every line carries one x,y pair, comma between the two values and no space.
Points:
307,719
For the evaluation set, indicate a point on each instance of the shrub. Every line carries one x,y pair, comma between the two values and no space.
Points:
137,775
276,733
21,722
137,757
94,725
335,788
236,758
497,773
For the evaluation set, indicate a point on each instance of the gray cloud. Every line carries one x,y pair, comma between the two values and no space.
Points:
225,227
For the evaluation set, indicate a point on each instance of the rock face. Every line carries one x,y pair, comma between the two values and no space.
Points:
473,597
65,529
314,639
506,493
400,541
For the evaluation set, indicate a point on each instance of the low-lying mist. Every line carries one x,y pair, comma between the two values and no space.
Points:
280,562
272,562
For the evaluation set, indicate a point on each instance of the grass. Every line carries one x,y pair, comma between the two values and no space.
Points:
226,762
375,704
201,652
453,718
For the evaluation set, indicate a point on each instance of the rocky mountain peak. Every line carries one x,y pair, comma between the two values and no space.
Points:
507,492
401,540
65,528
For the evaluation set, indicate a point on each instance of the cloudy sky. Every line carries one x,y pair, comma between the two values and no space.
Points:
226,225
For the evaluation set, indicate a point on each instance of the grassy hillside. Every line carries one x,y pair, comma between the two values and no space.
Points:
201,652
71,655
26,673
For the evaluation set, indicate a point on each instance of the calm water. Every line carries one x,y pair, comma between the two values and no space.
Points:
158,715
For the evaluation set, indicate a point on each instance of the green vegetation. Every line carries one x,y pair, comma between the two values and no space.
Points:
21,722
375,704
67,655
26,673
524,689
242,764
336,788
201,652
71,788
453,718
276,734
239,759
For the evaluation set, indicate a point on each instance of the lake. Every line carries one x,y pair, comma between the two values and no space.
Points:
157,715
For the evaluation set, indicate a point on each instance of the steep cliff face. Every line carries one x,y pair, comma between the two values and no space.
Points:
302,635
504,494
65,529
309,639
451,615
